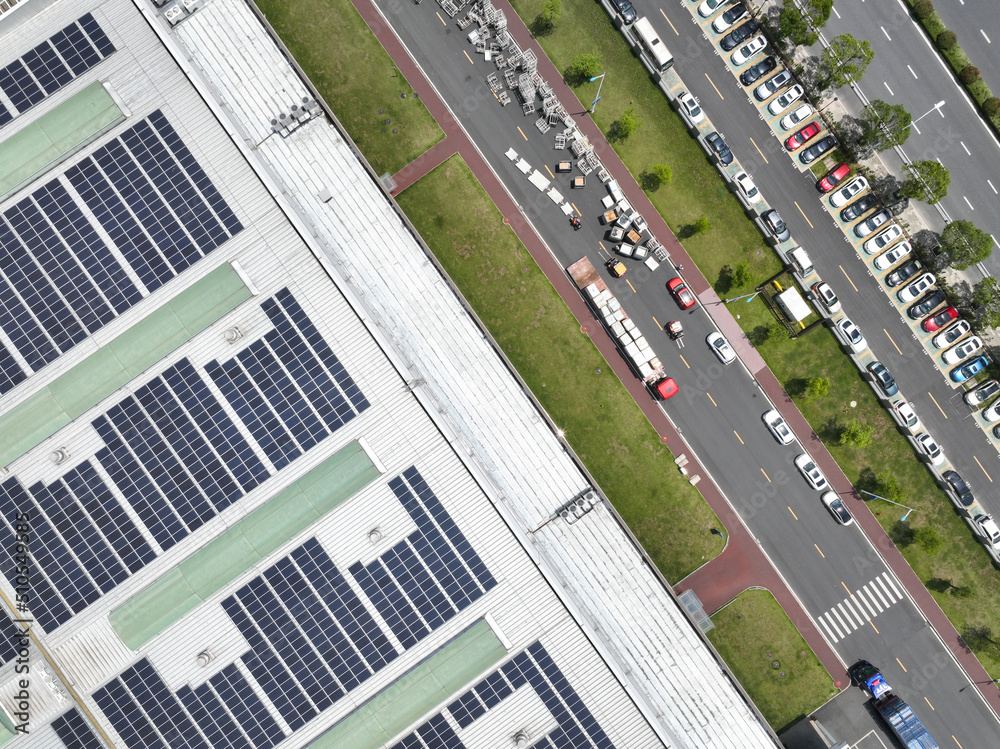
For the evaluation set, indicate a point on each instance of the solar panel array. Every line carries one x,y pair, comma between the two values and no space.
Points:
75,732
53,64
10,637
60,282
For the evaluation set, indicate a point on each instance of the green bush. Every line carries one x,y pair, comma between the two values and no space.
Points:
992,106
946,40
980,91
923,9
969,75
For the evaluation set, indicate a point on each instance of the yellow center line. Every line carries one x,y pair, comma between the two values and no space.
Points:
470,61
759,151
767,477
631,286
441,19
820,551
712,399
793,513
901,665
602,245
685,361
495,96
549,171
658,323
521,132
804,214
892,341
874,627
716,88
956,741
576,209
846,588
938,406
983,469
929,704
668,21
738,437
841,267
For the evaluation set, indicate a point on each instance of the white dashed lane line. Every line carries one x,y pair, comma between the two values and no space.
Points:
911,72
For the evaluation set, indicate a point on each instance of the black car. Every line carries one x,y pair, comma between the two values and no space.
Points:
773,220
625,10
961,489
738,35
757,71
719,146
882,377
925,305
730,17
817,149
903,273
859,207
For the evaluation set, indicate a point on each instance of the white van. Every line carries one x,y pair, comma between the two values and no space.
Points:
800,261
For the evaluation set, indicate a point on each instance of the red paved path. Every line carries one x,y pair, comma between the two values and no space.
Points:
742,564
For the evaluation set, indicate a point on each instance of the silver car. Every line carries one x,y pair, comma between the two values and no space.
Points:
783,102
892,256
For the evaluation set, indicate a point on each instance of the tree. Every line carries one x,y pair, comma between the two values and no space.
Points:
545,21
794,27
656,176
857,434
980,639
583,68
927,539
700,225
884,125
986,301
816,388
992,106
844,61
965,244
969,75
926,181
742,275
624,126
923,9
946,40
888,487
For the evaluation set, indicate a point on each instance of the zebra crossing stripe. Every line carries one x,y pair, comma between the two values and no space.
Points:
878,592
846,618
871,594
864,600
830,627
855,608
892,584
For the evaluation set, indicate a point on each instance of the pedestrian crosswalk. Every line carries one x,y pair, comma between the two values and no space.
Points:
858,609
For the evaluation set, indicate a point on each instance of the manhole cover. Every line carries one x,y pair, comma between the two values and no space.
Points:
387,120
416,95
381,111
394,131
402,96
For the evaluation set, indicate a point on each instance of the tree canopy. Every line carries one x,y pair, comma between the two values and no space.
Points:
844,61
965,244
926,180
884,125
986,300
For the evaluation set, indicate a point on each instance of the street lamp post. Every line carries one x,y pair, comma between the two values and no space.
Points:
598,97
737,298
932,109
876,496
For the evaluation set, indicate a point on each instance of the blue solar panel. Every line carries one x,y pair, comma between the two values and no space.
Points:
11,374
23,330
290,701
122,711
75,732
390,602
10,635
48,69
5,116
210,714
76,49
20,87
426,595
439,734
248,709
162,707
93,30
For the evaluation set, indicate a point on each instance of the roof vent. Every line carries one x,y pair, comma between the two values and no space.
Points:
375,535
59,455
520,739
204,658
233,334
191,5
174,14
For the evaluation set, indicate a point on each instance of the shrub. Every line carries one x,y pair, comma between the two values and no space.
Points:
927,539
923,9
946,40
969,74
992,107
817,388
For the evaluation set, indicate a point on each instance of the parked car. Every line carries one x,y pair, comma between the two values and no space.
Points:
922,308
989,531
749,50
825,294
846,193
770,87
784,100
961,489
903,273
939,320
691,107
800,137
625,10
811,473
930,448
883,239
912,290
727,19
709,7
817,149
778,426
772,219
883,379
797,115
951,334
893,255
851,335
758,70
738,35
721,348
859,207
963,350
983,393
837,508
833,178
963,372
869,225
681,293
905,416
747,189
719,146
992,413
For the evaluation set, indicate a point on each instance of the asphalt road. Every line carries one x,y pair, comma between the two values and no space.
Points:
719,408
978,28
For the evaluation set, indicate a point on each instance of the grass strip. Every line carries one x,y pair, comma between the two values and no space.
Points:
568,375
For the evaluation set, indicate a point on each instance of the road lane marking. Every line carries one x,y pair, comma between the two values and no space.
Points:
684,360
967,151
715,87
845,617
820,551
834,616
953,735
765,475
991,186
835,12
549,171
879,594
929,704
912,73
984,36
738,437
471,62
864,595
874,601
790,508
971,207
521,132
712,399
658,323
846,588
901,665
938,405
631,286
892,584
443,22
891,341
845,276
759,151
983,469
874,627
892,94
852,604
830,627
886,33
576,209
668,21
804,215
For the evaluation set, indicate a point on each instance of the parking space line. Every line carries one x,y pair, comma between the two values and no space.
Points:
684,360
845,274
631,286
820,551
892,341
715,87
804,214
790,509
983,469
759,151
668,21
741,441
901,665
712,399
938,406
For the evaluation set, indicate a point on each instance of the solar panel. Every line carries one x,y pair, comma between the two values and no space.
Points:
390,602
75,732
11,374
74,47
50,72
20,87
247,708
210,715
437,733
5,116
10,636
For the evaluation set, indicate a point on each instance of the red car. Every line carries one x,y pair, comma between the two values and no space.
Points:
837,175
667,388
939,320
795,140
681,293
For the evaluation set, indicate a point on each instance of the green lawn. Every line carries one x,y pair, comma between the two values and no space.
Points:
539,335
356,77
752,634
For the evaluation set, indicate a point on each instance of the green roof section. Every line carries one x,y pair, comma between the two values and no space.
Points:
129,354
7,729
417,692
240,547
56,136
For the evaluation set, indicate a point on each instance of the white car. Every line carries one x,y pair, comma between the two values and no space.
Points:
771,86
778,426
747,189
825,294
844,195
883,239
732,15
851,335
963,350
931,448
837,508
811,473
748,50
983,393
785,100
905,416
721,348
951,334
800,114
989,531
869,225
914,289
992,413
709,7
690,106
893,255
